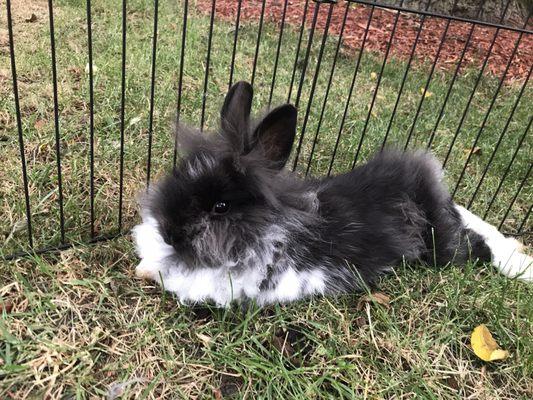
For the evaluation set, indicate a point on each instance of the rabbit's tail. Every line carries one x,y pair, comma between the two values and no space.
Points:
506,253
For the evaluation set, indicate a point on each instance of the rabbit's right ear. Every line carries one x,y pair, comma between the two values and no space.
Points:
235,115
274,135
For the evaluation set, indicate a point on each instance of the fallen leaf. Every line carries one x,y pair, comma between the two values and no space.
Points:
426,94
373,75
360,322
378,297
282,345
205,339
75,72
32,18
39,124
17,227
6,306
217,394
292,343
484,345
476,150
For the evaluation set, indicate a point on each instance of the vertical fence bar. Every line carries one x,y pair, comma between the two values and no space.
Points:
19,123
487,114
454,77
306,58
235,37
404,77
274,72
500,139
506,172
523,223
520,187
313,86
330,80
152,94
300,37
91,113
374,95
476,84
430,76
352,85
207,63
180,79
450,87
56,122
260,30
122,114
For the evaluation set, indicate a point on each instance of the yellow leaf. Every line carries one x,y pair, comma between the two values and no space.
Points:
426,94
484,345
373,75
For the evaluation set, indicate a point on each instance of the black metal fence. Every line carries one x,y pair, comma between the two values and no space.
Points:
354,96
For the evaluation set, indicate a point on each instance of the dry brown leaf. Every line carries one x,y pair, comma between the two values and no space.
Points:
205,339
360,322
476,150
6,306
217,394
284,346
39,124
378,297
32,18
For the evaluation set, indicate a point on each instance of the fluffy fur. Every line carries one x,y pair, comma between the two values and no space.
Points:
284,238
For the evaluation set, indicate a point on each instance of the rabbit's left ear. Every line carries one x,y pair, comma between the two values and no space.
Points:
235,115
274,135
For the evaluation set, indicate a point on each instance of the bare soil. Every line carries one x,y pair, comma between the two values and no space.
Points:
380,29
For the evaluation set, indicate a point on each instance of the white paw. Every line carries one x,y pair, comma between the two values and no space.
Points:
518,265
145,271
516,244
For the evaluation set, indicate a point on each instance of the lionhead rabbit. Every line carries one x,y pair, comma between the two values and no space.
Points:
230,224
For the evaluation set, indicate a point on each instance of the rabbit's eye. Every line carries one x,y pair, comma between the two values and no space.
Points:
221,207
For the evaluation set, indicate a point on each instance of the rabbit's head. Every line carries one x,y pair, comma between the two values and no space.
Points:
228,199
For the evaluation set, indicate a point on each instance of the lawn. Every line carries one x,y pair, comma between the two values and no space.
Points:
78,324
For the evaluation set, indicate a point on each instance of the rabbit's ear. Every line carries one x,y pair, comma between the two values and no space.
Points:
274,135
235,114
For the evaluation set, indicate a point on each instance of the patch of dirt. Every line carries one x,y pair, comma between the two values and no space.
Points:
26,16
380,29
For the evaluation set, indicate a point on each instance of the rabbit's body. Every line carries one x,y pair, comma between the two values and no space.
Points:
228,224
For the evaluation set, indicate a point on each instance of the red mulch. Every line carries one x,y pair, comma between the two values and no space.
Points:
408,24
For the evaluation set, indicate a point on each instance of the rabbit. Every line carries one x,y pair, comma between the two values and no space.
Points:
230,224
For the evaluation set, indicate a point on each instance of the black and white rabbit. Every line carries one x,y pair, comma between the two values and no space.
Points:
229,223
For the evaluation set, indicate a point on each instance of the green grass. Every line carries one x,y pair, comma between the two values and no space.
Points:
80,321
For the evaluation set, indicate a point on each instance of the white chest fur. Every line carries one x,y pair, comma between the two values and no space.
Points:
221,284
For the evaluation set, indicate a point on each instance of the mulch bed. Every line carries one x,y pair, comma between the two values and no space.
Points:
408,24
